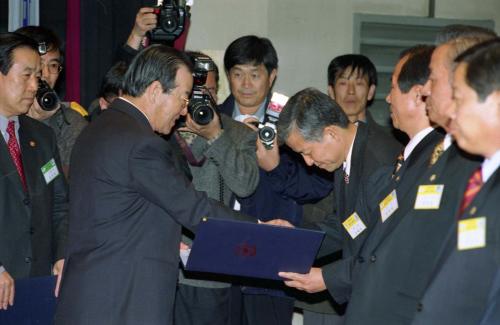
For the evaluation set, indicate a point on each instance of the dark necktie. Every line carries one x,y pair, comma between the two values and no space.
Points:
15,152
473,186
436,153
399,163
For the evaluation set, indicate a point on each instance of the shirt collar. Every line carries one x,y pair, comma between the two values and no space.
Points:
3,125
260,113
415,141
448,139
347,163
128,101
490,165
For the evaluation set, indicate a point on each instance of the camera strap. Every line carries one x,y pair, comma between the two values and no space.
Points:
186,149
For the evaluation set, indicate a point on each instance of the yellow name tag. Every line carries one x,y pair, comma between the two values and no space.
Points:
471,233
354,225
429,197
388,205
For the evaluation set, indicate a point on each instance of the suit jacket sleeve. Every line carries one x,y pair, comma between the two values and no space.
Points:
337,277
296,181
154,176
60,208
234,155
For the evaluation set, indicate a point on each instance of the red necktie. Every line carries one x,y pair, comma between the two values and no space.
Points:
473,186
15,152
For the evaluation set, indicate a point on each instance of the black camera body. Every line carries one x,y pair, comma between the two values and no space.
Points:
171,20
202,106
267,129
46,97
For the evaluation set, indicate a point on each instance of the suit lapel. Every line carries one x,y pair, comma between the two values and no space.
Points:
412,169
29,149
356,172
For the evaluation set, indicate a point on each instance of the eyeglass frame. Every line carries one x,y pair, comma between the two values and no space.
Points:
59,68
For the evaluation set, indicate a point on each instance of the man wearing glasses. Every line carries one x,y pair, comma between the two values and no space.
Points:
66,123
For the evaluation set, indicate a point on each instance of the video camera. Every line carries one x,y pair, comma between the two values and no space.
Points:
171,20
46,97
267,129
202,106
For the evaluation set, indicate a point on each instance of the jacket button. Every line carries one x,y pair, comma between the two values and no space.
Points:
26,201
32,230
361,259
27,259
420,306
373,258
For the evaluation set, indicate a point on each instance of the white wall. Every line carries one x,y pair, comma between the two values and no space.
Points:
307,34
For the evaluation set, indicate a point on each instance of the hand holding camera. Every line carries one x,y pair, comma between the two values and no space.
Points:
267,129
208,131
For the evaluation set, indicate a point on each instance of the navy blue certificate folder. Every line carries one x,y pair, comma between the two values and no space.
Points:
34,302
252,250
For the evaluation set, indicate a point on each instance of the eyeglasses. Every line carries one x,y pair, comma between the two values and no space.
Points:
53,67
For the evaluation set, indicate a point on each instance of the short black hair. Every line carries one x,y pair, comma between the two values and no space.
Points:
253,50
356,62
415,71
112,82
450,32
8,43
157,62
483,67
310,111
43,35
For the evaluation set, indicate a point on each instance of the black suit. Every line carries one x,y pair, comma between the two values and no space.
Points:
462,283
390,273
33,225
372,149
128,203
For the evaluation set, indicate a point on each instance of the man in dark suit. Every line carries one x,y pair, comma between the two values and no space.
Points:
396,265
462,285
315,126
390,196
128,202
33,212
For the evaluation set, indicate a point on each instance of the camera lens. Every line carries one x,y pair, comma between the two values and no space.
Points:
46,97
267,134
201,113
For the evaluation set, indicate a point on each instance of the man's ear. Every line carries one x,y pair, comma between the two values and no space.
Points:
331,92
331,132
371,92
272,77
419,98
153,91
103,104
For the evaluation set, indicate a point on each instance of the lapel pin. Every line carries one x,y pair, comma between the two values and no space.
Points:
32,144
473,210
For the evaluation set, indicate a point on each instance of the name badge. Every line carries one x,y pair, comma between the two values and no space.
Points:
429,197
50,171
354,225
471,233
388,205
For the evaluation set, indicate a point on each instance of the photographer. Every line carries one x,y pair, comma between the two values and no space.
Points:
251,65
222,162
66,123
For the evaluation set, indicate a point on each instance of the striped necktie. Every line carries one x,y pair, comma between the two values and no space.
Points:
15,152
473,187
